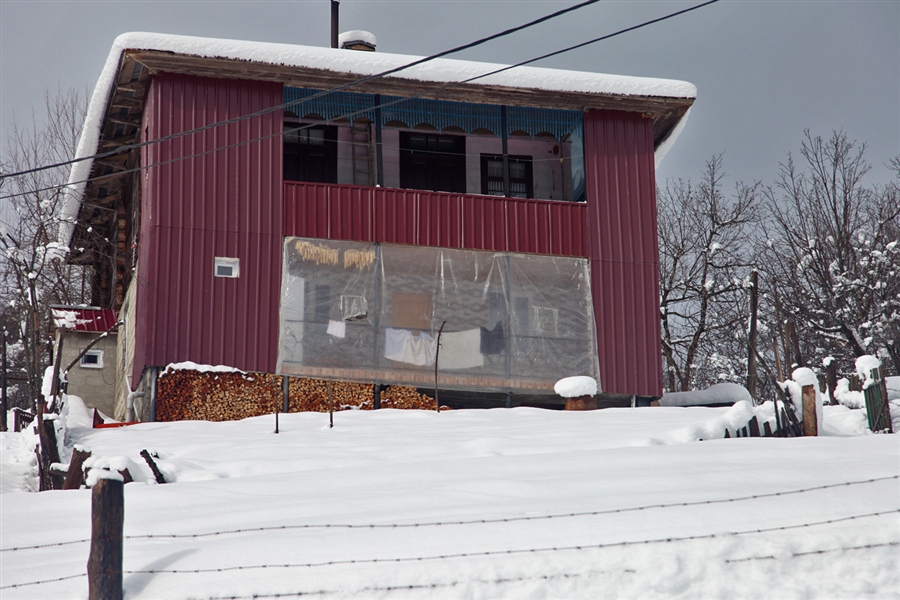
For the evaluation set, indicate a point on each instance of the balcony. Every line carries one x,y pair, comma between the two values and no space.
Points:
439,219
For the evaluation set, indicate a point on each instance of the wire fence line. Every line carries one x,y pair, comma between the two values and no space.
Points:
426,586
42,581
489,553
462,522
456,583
484,553
507,580
812,552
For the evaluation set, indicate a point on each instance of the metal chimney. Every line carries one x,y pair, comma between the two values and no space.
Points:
335,10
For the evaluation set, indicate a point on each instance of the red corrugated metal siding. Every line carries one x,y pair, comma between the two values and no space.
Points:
622,231
85,319
441,219
225,203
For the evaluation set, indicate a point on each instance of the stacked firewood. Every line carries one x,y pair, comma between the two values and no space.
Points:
312,395
214,396
401,396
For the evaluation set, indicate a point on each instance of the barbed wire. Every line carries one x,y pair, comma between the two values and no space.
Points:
463,522
483,553
486,553
426,586
811,552
510,519
56,579
504,580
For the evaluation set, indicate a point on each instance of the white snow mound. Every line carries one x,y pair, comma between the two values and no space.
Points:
575,387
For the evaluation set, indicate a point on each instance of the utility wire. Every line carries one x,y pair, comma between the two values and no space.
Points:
343,116
366,79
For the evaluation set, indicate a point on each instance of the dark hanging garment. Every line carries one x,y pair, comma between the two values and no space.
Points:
493,341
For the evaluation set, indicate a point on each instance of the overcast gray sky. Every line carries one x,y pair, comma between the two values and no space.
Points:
764,70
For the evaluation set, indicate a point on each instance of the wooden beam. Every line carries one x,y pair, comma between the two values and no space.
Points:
112,163
133,120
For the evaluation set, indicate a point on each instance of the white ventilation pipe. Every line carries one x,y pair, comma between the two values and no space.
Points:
129,405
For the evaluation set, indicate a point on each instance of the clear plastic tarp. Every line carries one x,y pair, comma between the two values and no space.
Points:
374,312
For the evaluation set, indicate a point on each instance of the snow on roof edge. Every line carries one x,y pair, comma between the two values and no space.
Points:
363,64
669,141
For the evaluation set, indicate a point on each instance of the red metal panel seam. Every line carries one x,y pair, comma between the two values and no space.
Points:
631,302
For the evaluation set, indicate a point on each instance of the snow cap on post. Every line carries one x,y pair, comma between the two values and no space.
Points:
575,387
865,364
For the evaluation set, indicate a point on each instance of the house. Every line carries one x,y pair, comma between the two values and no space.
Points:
277,209
80,341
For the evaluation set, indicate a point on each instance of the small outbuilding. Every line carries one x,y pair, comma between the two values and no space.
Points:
93,375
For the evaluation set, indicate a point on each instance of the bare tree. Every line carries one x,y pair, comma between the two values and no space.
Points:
706,256
33,275
833,244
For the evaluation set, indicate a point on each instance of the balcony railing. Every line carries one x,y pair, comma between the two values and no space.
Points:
442,219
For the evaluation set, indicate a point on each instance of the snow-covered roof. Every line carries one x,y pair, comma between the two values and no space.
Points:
83,318
357,64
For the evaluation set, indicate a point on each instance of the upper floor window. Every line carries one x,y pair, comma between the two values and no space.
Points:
521,179
429,161
310,153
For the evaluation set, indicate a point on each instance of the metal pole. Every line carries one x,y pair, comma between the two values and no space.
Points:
379,157
335,11
504,138
437,351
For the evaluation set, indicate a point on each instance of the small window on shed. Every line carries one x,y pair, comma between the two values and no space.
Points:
228,267
92,359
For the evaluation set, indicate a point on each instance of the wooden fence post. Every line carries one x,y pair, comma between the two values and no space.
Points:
75,474
810,420
3,402
831,380
49,454
877,406
751,359
107,522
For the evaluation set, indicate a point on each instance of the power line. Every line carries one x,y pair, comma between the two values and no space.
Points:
315,96
473,521
366,79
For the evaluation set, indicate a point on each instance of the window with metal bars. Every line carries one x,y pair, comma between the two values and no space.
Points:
521,180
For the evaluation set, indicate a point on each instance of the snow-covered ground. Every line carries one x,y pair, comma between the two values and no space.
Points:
519,503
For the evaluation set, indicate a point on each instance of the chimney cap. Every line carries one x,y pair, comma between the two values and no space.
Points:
357,40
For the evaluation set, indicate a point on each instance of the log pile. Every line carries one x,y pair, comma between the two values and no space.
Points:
184,395
401,396
216,396
311,395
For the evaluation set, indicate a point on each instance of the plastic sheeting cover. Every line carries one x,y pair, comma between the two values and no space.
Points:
358,310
